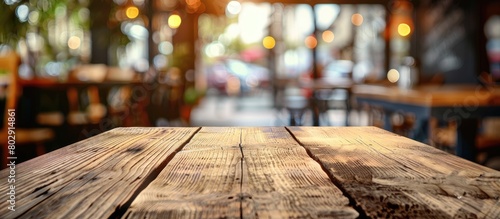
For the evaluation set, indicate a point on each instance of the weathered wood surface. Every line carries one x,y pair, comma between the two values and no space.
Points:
201,181
390,176
268,172
242,173
93,178
282,181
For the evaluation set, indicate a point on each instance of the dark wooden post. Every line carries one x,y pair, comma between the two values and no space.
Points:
100,31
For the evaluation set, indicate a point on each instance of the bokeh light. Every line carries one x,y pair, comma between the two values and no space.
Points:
11,2
166,48
233,8
404,29
357,19
22,12
160,61
393,75
174,21
268,42
328,36
74,42
138,2
253,21
33,17
132,12
215,49
311,42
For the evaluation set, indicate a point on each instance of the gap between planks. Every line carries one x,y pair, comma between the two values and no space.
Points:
242,166
121,210
352,201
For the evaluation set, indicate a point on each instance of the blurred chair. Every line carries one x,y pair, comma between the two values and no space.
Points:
9,62
296,104
84,103
334,90
93,110
328,99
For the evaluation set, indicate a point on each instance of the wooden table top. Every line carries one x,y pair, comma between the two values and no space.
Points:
432,95
246,172
327,83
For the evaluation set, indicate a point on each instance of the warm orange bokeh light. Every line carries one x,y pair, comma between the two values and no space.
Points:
357,19
311,42
404,29
328,36
132,12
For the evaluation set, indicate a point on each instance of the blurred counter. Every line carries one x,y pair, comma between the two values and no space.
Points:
417,112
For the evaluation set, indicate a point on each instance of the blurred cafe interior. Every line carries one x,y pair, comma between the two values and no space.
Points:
425,69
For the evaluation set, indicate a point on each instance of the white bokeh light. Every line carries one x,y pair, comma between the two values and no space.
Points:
22,12
253,21
215,49
233,8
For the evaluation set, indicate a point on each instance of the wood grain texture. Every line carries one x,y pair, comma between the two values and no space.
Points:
282,181
391,176
95,177
241,173
201,181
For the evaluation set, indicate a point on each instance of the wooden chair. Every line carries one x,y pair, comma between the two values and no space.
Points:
94,111
9,62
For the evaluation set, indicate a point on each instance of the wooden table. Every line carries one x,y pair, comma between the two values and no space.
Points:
245,172
465,104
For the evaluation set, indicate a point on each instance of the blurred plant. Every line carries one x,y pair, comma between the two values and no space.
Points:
11,27
49,34
19,16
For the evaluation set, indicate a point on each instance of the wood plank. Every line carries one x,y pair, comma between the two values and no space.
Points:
268,175
221,137
282,181
391,176
95,177
202,181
